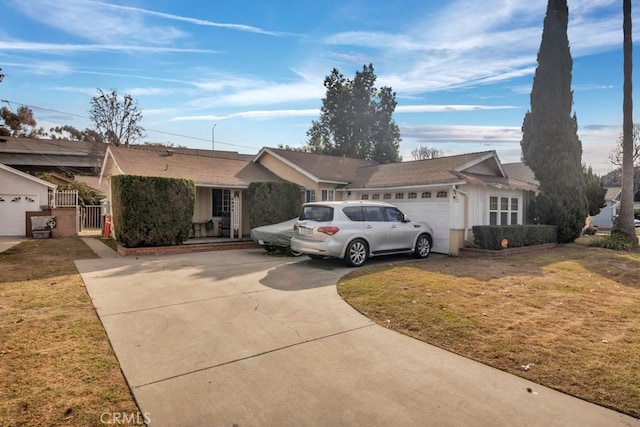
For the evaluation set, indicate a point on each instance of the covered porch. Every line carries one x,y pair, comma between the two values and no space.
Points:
220,213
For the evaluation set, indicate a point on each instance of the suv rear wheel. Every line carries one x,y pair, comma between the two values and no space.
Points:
357,253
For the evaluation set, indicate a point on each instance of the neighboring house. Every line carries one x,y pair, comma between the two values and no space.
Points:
605,218
221,182
452,194
20,193
51,155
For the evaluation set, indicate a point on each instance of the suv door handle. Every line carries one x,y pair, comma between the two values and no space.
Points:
394,226
368,226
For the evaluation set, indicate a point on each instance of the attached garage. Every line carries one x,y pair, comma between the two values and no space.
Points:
20,193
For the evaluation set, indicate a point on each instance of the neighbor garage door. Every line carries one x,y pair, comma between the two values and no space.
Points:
12,212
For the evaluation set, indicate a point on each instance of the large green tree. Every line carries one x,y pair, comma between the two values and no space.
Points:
550,143
19,124
356,119
594,191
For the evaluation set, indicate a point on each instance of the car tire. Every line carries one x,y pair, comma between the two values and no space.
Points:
357,253
293,253
270,249
316,257
423,246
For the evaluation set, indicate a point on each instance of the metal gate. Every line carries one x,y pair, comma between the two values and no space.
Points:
91,220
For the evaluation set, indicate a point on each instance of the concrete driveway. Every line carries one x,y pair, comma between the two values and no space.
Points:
250,339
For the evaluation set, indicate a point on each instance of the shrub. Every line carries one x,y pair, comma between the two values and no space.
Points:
616,241
491,236
152,211
273,202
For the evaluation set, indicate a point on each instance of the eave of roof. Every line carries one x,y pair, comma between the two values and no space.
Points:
27,176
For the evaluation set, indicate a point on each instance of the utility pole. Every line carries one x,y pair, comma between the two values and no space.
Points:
213,137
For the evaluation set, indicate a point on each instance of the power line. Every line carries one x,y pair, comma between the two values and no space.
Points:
35,107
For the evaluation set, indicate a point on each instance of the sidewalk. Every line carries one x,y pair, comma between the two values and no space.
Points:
9,242
102,250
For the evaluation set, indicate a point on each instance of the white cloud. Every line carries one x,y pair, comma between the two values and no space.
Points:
96,22
60,48
258,114
195,21
448,108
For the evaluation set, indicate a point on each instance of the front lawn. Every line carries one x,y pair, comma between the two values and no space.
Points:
56,364
567,318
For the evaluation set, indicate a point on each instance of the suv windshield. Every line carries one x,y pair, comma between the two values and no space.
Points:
317,213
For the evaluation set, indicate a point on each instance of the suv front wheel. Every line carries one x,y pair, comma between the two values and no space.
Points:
423,246
357,253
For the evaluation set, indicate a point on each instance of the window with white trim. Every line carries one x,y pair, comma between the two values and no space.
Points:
503,210
441,194
309,196
365,197
327,195
221,201
426,195
413,195
399,195
375,196
386,196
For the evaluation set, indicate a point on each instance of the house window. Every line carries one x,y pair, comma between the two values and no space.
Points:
441,194
387,196
399,195
375,196
426,195
309,196
327,195
413,195
503,210
365,197
16,199
221,201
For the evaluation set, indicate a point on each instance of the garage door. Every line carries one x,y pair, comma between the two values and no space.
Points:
436,213
12,212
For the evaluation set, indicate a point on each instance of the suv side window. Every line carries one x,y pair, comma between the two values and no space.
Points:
354,213
373,213
393,214
317,213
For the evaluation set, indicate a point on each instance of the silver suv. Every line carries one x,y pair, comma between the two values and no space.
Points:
357,230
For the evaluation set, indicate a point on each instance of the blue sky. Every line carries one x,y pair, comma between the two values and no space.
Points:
462,69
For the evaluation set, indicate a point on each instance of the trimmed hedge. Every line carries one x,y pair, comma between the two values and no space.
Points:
273,202
152,211
491,236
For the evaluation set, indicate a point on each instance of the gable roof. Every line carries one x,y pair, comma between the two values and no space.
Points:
441,170
27,176
521,172
319,167
202,170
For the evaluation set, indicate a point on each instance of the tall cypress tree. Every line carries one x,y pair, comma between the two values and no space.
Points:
550,143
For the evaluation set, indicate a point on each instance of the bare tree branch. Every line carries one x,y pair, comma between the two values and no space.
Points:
116,119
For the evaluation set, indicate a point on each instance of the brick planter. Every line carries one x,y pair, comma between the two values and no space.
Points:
183,249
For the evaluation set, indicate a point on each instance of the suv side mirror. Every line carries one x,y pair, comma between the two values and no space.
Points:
406,219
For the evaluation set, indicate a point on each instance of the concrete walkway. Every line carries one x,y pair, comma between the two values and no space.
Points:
249,339
9,242
102,250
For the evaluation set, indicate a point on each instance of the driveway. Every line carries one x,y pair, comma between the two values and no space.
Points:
250,339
